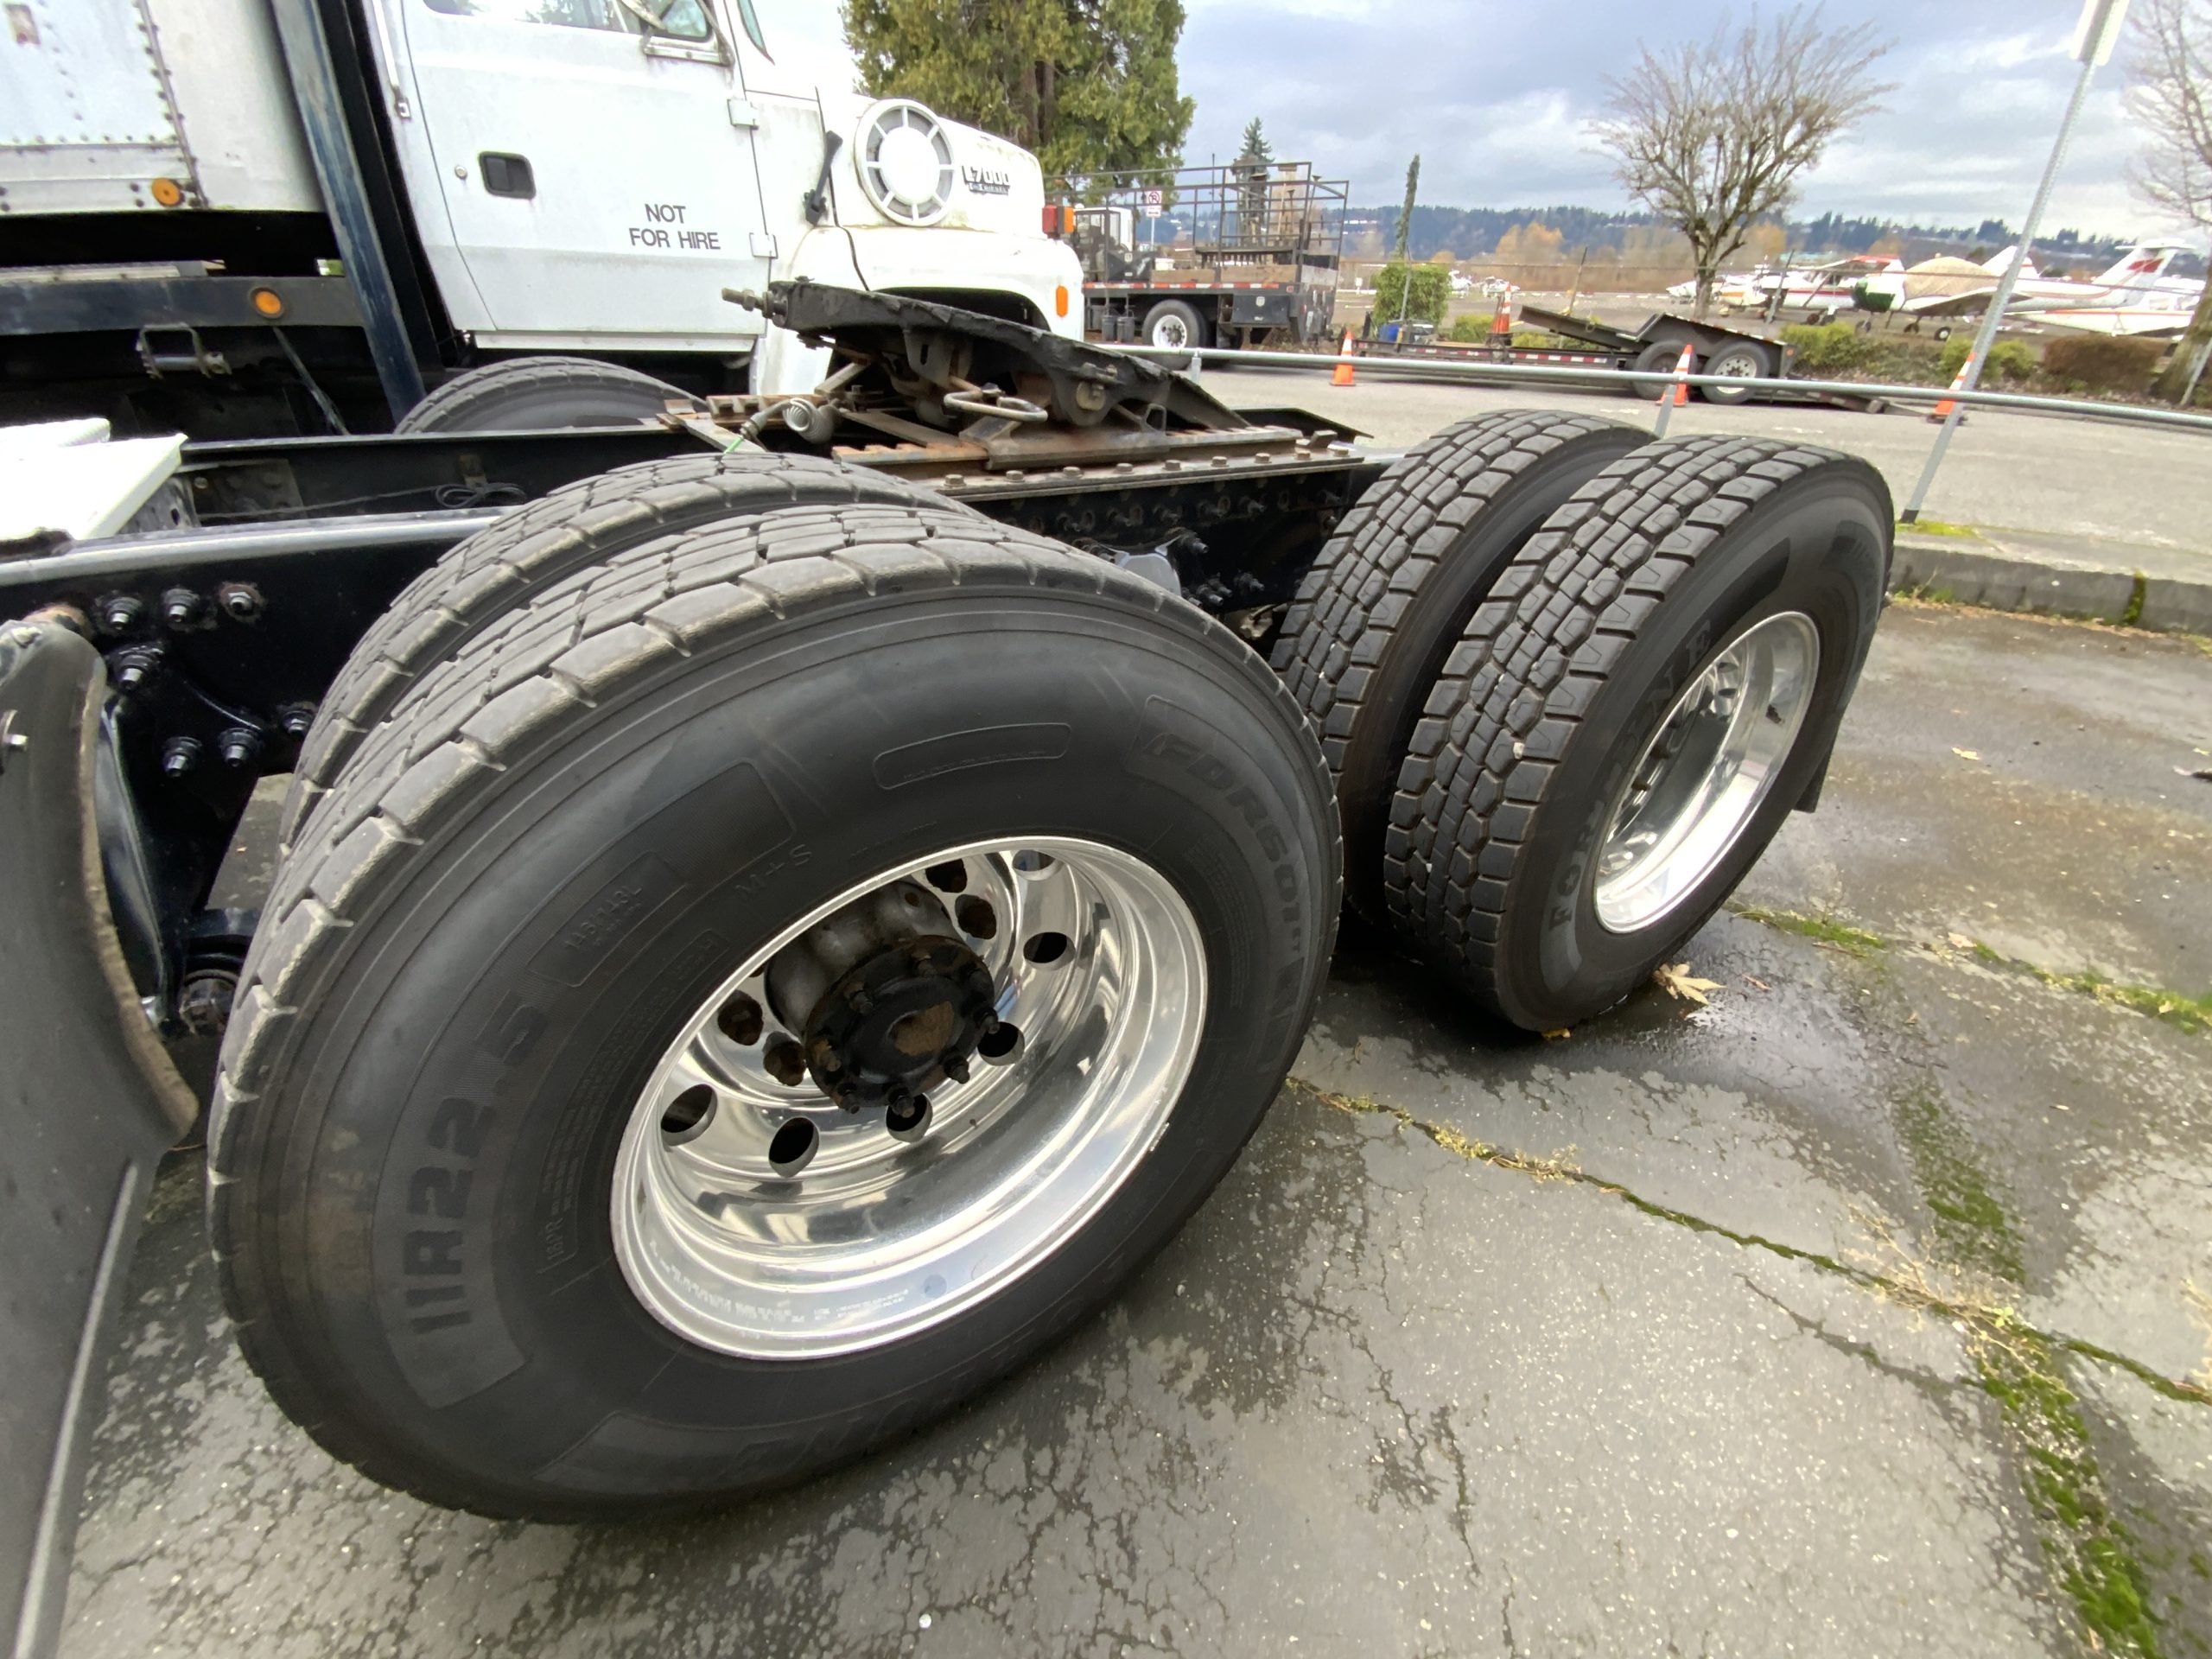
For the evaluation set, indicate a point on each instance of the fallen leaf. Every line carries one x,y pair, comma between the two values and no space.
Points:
1958,941
1559,1036
1964,755
1679,981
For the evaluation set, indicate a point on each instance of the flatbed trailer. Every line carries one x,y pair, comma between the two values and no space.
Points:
1656,346
780,908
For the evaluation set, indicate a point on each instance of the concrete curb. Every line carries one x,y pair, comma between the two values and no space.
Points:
1972,572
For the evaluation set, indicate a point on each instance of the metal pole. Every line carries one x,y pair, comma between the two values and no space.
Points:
2003,297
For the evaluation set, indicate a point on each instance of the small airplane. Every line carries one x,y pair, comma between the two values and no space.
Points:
2135,296
1829,286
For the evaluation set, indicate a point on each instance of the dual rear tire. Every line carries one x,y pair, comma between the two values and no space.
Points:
1570,684
760,952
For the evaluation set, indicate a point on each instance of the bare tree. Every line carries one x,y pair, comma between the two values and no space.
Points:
1713,135
2170,93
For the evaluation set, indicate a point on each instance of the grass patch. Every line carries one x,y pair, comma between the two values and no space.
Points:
2133,611
1821,930
1970,1223
1927,593
2177,1008
2090,1550
2091,1554
1940,527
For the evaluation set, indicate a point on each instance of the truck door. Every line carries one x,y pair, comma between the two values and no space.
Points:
595,163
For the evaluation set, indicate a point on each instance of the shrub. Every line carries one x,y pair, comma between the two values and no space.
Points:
2104,363
1825,349
2011,360
1432,294
1472,329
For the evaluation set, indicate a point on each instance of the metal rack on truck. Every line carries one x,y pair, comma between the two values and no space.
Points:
1245,254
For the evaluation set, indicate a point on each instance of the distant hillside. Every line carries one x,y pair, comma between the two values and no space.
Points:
1473,232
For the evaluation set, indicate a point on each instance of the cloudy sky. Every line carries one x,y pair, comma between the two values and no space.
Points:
1495,94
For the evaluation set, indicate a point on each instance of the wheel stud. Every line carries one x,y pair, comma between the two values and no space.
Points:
956,1069
908,1119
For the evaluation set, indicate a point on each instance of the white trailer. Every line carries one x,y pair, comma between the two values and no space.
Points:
223,214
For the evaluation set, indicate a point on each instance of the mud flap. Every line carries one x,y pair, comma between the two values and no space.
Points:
88,1102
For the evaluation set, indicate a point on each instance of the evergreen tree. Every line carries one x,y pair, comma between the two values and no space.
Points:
1257,152
1088,85
1406,212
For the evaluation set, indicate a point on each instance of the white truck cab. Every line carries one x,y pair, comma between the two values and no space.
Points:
577,176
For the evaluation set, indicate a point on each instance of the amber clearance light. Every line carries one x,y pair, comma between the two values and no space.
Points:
167,192
268,302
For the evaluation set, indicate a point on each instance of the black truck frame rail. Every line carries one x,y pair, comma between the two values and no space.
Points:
220,633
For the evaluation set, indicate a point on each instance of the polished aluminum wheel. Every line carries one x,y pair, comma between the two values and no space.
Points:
754,1215
1704,772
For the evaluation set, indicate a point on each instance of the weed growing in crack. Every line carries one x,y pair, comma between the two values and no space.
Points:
1821,930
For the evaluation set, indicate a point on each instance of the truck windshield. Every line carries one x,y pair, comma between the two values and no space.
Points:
686,20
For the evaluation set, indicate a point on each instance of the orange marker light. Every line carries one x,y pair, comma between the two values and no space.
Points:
268,302
1060,300
167,191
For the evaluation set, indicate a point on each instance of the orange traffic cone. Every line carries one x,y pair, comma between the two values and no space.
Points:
1945,405
1674,394
1501,323
1343,377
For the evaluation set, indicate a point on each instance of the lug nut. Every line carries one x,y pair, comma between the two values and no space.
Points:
121,613
181,607
134,668
239,746
180,756
297,719
241,600
956,1069
739,1021
203,1007
785,1063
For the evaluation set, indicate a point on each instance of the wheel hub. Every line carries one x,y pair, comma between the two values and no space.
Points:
1705,772
753,1216
902,1021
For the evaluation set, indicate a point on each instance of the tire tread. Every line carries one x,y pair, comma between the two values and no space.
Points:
1534,656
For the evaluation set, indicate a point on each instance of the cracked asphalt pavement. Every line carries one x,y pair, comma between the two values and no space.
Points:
1862,1311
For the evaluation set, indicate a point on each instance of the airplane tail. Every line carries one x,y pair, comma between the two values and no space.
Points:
2139,267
